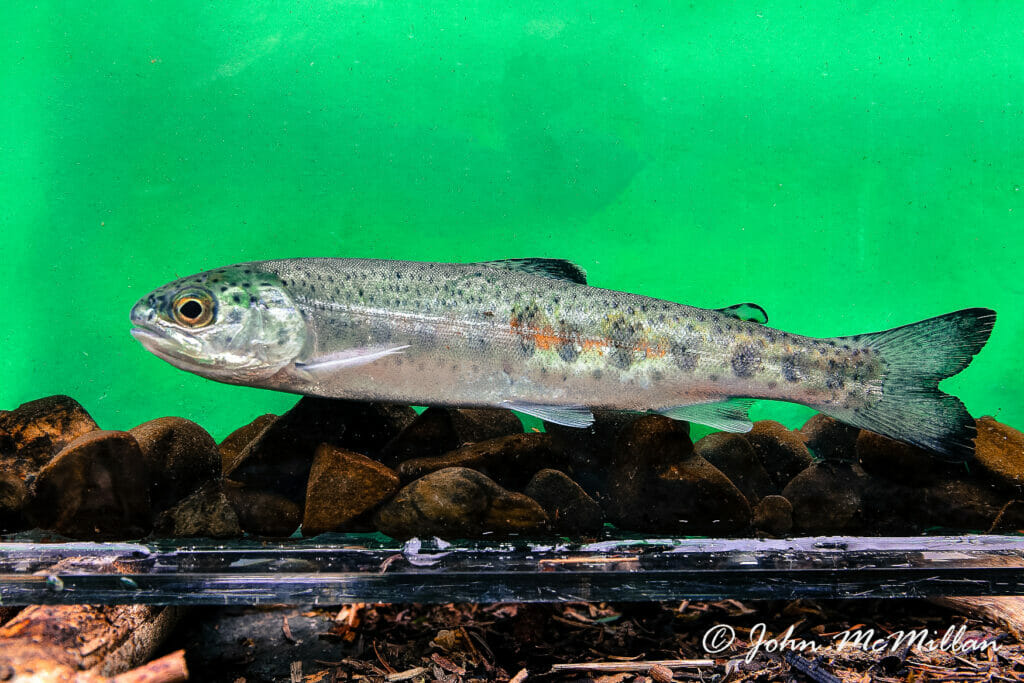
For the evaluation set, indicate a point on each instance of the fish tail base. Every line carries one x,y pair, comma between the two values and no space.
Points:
916,358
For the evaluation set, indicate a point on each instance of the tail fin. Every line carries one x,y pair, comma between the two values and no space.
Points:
917,357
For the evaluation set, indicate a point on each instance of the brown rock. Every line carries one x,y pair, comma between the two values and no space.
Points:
235,442
32,433
653,440
180,455
903,463
588,452
659,485
568,507
261,512
955,506
96,487
207,513
773,515
440,430
280,458
830,439
457,502
342,487
13,496
999,452
1009,519
735,457
781,451
509,460
826,498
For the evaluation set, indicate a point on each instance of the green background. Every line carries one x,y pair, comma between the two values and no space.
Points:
850,167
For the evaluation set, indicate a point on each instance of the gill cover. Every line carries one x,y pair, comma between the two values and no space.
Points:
235,324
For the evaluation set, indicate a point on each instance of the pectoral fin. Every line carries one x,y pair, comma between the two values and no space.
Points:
349,358
749,312
728,416
569,416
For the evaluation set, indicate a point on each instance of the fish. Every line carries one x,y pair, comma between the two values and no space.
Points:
532,336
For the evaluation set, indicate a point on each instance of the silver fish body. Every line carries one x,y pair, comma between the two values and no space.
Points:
529,335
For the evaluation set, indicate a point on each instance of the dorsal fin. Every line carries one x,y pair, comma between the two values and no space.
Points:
556,269
750,312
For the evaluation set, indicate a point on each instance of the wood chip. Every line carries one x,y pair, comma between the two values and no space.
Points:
296,671
288,631
634,666
407,674
519,677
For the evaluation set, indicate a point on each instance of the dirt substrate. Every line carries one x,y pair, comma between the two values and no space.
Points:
496,642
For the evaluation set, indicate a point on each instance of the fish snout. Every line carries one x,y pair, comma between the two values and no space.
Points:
142,313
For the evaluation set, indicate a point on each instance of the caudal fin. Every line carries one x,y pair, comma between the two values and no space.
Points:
916,358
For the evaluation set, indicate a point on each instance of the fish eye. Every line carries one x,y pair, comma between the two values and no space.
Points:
193,310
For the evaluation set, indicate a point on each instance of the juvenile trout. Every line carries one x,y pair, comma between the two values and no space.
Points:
531,335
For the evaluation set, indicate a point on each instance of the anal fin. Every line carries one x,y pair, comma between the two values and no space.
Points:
568,416
728,416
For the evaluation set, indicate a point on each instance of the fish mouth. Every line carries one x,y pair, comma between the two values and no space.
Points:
162,345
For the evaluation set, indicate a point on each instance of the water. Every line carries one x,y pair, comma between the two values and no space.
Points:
849,171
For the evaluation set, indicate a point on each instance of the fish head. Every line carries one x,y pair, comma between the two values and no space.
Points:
235,324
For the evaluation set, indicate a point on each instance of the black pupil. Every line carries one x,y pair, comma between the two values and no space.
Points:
190,309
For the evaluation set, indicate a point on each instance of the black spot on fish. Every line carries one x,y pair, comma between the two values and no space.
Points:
237,299
685,359
657,375
789,369
597,373
746,360
621,358
567,351
834,376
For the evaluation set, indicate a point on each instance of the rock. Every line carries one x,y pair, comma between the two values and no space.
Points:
735,457
903,463
652,440
96,487
956,506
440,430
342,487
830,439
999,452
207,513
966,506
279,459
781,451
568,507
479,424
1010,519
509,460
457,503
659,485
235,442
826,498
13,496
32,433
773,515
263,513
180,456
588,452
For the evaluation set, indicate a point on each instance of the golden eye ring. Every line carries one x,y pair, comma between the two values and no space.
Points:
192,310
